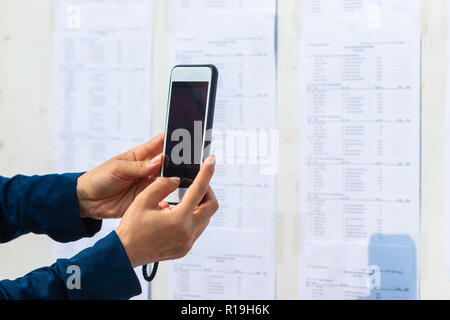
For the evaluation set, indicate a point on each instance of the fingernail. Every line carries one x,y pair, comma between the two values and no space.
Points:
211,160
175,180
155,160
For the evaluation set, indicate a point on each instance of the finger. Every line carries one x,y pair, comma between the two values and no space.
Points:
143,183
145,151
206,210
199,187
209,196
163,204
158,190
150,149
137,169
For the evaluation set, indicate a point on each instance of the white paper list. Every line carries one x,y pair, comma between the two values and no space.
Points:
360,149
235,257
220,6
102,88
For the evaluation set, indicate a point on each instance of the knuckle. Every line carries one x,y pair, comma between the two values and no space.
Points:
159,180
129,154
204,188
141,165
215,206
166,182
115,166
162,182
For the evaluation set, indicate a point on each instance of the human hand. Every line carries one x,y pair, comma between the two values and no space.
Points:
108,190
152,231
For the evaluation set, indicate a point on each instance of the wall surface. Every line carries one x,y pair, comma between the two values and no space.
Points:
25,113
434,64
26,130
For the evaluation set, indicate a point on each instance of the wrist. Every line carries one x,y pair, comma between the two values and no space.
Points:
83,207
126,245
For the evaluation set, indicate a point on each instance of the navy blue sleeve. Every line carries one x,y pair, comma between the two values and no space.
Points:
102,271
43,205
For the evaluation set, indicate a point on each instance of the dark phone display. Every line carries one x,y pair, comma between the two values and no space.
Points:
187,105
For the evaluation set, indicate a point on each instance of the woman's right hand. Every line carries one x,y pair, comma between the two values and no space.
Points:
152,231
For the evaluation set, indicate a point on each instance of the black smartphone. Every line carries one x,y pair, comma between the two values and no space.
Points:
189,123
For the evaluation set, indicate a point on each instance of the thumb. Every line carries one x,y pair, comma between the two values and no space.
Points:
158,190
137,169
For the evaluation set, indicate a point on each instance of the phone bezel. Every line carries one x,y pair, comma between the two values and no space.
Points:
192,73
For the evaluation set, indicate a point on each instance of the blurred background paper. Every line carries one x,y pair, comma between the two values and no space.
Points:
360,134
235,257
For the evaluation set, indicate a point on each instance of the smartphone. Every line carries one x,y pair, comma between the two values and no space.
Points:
189,122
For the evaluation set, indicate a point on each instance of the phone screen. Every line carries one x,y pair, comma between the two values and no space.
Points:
186,113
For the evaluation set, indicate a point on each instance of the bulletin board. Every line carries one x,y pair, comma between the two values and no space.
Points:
26,124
